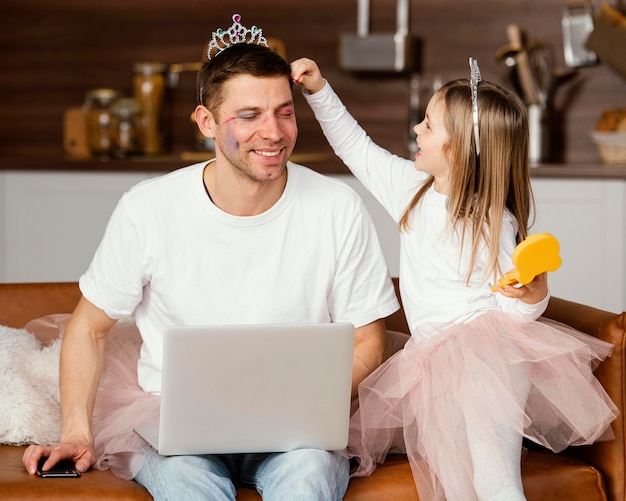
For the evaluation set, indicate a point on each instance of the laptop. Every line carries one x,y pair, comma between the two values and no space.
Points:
254,388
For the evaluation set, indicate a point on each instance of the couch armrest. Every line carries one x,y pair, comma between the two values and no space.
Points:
608,456
397,321
21,303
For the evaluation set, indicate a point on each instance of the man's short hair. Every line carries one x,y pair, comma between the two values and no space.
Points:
239,59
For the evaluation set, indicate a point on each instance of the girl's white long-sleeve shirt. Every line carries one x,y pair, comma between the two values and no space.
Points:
432,267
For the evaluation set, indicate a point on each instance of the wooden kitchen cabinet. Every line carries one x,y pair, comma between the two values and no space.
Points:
52,222
588,217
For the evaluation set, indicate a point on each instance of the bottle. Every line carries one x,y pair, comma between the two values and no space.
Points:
149,89
125,128
99,120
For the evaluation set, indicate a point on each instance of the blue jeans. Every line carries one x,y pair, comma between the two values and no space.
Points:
300,475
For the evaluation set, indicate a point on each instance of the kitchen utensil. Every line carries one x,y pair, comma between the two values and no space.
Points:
387,52
507,53
577,23
524,73
559,77
541,59
539,134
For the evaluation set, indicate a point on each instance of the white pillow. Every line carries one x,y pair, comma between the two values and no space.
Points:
30,410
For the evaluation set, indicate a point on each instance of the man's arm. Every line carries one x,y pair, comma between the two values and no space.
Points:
370,347
82,360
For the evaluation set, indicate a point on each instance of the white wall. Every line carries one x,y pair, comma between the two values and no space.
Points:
52,222
3,231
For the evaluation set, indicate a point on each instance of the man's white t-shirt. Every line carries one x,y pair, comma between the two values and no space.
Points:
170,256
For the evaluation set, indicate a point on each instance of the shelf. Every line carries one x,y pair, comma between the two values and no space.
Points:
55,161
323,162
581,171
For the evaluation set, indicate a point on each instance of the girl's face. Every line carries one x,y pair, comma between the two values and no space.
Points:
431,138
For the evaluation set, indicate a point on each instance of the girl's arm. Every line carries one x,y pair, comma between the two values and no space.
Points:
391,179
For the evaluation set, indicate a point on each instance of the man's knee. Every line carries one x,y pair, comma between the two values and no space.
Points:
196,476
315,460
304,474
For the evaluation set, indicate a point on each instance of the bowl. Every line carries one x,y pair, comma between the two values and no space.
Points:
611,146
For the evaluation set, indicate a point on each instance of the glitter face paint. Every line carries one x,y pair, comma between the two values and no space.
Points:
250,121
231,141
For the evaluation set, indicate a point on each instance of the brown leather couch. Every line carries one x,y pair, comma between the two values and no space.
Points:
583,473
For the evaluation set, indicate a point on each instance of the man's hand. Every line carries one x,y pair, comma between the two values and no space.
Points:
82,455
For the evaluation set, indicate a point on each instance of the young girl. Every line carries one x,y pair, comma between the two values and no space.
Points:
479,372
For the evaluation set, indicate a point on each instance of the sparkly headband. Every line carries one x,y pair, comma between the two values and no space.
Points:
474,79
236,34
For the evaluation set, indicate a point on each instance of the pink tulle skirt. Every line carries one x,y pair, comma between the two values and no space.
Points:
121,404
457,385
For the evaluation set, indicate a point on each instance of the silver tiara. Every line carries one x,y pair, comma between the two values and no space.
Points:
236,34
474,79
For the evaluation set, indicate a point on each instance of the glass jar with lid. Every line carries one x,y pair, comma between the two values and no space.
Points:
149,90
126,113
99,120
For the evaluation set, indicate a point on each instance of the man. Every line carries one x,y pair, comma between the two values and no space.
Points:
246,238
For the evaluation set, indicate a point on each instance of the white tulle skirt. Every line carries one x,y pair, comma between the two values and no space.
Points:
452,391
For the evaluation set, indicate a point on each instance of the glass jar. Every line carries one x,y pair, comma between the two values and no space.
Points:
149,89
125,128
99,120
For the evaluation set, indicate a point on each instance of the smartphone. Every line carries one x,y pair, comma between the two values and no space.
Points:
63,469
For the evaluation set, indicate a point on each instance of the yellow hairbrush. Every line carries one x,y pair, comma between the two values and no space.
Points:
535,255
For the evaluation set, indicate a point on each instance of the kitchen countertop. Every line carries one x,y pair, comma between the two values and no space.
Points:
584,171
322,162
55,161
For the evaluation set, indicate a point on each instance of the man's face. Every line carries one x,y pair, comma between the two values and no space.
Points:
255,128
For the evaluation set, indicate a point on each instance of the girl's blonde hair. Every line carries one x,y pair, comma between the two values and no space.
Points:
483,187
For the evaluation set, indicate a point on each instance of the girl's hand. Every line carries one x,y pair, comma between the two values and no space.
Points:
306,73
531,293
